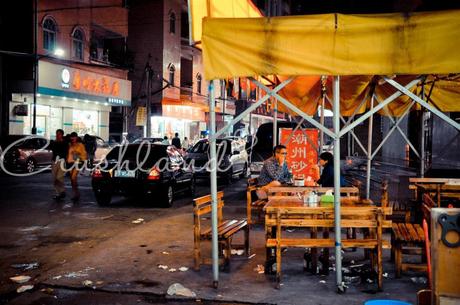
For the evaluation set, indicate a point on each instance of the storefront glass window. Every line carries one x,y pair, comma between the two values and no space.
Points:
85,122
55,121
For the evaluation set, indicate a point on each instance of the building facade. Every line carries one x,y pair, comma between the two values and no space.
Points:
159,40
82,74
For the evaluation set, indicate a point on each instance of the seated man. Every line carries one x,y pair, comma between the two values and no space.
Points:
274,172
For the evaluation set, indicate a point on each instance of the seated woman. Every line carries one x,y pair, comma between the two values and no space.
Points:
326,160
274,172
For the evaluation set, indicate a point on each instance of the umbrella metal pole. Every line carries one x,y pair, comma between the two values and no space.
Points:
337,227
213,164
422,139
275,122
321,133
369,151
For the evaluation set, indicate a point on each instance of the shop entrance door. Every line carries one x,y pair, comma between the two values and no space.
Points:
41,126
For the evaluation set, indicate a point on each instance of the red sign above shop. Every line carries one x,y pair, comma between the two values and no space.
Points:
302,151
74,82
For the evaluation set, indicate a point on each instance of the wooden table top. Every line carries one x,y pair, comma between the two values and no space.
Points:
296,203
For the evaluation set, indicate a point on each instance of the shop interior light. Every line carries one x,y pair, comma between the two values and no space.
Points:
64,97
97,103
38,95
86,101
75,99
59,52
106,104
51,96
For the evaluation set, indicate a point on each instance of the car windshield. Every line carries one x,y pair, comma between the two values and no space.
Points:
138,152
203,147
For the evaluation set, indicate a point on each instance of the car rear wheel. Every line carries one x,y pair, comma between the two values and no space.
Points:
244,173
167,197
229,176
31,165
102,197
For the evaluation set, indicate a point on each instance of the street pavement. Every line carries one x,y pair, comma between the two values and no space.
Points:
88,254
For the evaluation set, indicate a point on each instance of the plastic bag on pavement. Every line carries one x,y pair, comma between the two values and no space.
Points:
178,289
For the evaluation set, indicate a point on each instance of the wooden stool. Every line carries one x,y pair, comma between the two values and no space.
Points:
407,235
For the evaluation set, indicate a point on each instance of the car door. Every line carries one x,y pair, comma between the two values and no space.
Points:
102,149
176,164
35,146
236,157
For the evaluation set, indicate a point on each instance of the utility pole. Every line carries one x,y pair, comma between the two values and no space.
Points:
35,70
148,93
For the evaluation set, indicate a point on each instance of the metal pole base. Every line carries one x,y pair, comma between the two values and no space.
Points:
341,289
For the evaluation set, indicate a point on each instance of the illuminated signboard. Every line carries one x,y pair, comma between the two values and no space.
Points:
72,82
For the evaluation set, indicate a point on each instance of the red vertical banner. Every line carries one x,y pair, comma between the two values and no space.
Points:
302,154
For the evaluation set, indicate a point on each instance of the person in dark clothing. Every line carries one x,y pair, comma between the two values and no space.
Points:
90,146
59,147
176,141
326,160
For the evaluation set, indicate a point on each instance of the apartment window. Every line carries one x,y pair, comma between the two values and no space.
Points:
78,44
49,34
172,70
198,83
172,23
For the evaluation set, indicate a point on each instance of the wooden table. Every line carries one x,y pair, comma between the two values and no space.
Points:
322,214
440,187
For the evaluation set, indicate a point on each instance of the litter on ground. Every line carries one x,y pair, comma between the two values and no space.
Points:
20,279
24,288
178,289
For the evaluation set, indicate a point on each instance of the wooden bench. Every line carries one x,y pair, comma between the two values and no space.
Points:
226,230
321,217
409,239
254,204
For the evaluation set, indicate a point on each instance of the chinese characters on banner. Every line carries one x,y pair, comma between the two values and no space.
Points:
100,85
301,154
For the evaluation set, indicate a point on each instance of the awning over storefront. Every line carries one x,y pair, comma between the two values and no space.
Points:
70,82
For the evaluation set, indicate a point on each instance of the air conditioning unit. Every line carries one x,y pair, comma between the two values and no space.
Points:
20,110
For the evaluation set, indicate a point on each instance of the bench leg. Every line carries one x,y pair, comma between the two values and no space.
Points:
314,252
278,267
197,255
227,254
246,241
398,260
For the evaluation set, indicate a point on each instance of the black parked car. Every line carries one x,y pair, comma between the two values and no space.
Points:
27,154
154,172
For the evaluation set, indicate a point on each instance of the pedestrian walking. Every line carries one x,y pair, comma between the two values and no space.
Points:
76,155
59,148
176,141
185,144
90,146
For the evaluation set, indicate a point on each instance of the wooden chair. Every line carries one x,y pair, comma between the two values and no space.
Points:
409,239
226,230
370,217
253,203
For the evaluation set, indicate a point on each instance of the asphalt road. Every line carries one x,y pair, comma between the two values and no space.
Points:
35,228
